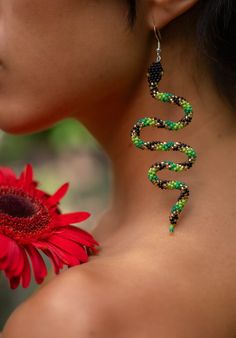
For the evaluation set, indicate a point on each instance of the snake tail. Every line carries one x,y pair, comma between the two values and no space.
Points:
155,72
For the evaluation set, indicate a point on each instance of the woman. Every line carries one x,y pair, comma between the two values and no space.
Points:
82,59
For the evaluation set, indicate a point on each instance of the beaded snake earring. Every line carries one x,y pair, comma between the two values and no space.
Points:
155,72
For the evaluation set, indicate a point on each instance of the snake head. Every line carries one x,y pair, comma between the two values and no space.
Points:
155,72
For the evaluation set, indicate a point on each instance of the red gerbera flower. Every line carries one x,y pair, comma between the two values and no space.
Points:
30,220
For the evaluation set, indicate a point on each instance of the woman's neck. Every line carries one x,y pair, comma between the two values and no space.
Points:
140,207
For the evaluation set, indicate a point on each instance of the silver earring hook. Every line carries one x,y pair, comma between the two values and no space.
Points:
158,37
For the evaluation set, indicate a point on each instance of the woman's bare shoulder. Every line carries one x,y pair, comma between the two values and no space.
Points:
97,299
131,295
66,306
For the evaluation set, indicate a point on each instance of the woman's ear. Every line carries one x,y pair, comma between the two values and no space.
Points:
164,11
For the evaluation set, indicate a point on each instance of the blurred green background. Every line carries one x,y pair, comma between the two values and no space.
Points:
67,152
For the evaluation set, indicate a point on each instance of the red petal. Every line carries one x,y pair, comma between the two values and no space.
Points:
56,262
78,235
58,195
14,282
26,273
29,173
1,177
40,194
8,262
4,245
40,269
72,248
7,172
74,217
26,177
15,261
20,264
65,257
12,262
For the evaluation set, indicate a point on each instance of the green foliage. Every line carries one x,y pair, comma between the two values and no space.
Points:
70,134
66,135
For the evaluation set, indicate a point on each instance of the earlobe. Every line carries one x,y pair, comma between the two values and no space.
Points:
164,11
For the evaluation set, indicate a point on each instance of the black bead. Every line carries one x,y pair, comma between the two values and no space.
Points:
155,72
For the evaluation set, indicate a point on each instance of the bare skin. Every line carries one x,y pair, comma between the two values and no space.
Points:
145,282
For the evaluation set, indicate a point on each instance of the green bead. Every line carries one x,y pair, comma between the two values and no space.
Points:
177,184
171,228
139,143
152,122
170,124
162,147
141,120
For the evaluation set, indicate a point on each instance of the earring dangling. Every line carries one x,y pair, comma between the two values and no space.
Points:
155,73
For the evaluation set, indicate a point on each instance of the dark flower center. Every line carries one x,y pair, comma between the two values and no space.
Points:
16,206
23,216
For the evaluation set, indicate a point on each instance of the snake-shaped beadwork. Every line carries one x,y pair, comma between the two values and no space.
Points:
155,72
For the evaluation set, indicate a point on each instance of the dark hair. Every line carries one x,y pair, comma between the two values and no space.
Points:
132,12
216,34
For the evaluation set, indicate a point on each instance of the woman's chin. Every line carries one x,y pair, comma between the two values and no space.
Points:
16,122
22,122
21,129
